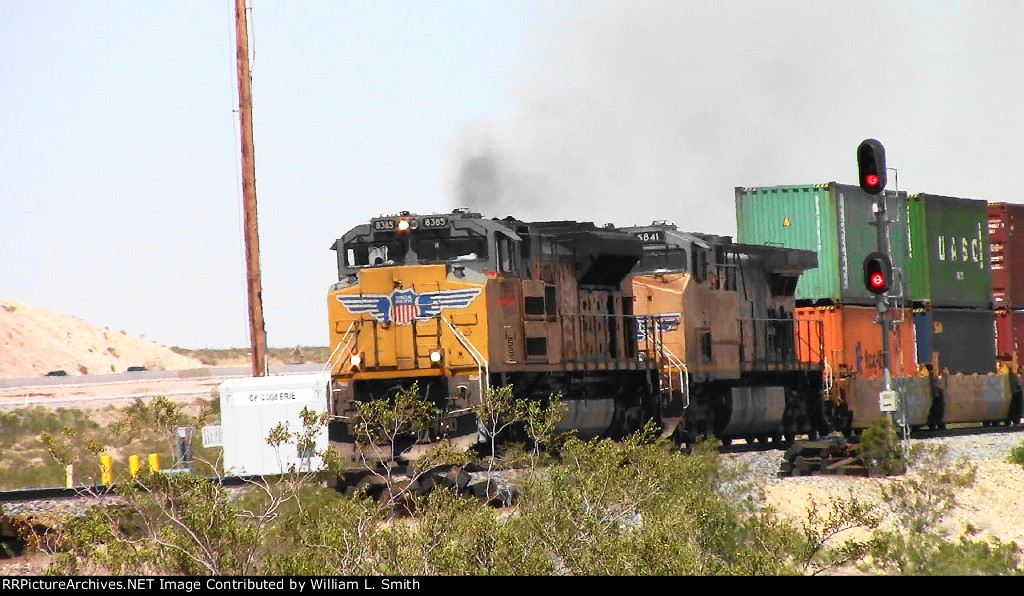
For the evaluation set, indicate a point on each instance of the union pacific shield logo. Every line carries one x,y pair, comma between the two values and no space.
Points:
402,307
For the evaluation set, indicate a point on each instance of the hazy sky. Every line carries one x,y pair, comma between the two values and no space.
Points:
119,153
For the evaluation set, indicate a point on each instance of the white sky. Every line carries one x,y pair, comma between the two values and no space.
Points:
119,158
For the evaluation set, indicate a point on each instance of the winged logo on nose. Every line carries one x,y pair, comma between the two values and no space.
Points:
402,307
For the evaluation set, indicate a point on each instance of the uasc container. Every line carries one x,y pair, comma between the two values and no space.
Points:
939,245
949,252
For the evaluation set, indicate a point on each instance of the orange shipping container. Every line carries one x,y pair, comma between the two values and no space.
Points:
853,341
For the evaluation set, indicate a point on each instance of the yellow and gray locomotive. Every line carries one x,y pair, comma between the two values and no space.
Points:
457,303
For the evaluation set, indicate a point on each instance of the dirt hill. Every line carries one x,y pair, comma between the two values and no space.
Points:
34,341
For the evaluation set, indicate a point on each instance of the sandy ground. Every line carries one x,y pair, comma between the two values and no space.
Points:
989,505
34,341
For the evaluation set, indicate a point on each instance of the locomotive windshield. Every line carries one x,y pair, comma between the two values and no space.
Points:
426,248
443,250
662,259
362,254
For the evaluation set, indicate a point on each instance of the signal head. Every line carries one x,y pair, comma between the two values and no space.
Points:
871,166
877,273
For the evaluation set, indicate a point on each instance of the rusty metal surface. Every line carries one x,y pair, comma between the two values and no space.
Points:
862,398
853,341
1010,333
976,398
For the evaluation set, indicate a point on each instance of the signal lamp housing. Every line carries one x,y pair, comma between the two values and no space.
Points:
871,166
877,273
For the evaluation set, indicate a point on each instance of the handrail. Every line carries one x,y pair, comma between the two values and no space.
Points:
684,376
477,356
328,365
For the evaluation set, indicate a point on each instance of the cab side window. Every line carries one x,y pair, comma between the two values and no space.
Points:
506,253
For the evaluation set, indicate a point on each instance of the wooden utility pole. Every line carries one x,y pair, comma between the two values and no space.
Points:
257,333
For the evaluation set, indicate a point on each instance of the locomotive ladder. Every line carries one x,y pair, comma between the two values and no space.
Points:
676,363
342,342
481,362
346,341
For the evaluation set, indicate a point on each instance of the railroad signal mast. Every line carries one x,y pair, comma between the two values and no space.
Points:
871,174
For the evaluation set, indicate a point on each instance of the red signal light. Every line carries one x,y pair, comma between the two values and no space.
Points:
877,271
871,166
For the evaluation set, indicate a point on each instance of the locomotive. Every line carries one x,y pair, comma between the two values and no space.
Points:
722,313
457,304
692,330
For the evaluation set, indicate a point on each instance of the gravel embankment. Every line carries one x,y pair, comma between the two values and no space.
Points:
985,445
989,504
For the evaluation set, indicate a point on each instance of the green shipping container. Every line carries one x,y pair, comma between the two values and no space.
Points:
949,251
836,220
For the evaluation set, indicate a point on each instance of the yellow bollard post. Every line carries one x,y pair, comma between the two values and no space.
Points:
69,475
106,469
134,465
154,462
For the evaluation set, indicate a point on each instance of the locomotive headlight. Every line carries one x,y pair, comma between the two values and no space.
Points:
356,361
436,356
403,225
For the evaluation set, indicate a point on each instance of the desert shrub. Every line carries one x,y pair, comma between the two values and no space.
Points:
1017,454
880,444
34,435
178,524
911,539
640,507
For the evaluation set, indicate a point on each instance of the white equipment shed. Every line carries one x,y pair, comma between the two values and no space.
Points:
251,407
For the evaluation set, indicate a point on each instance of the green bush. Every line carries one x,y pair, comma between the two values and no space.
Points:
1017,454
880,444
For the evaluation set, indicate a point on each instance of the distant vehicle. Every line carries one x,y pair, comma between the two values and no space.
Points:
135,369
57,373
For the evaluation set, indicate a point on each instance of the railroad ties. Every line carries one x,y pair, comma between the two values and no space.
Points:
401,485
829,455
